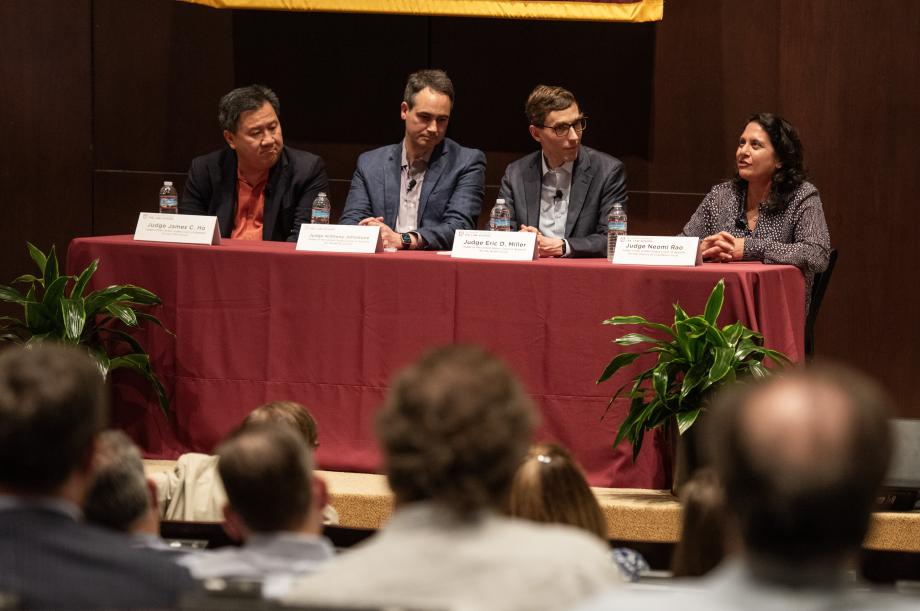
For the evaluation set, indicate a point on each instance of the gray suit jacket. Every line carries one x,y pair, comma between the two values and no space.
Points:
451,195
598,181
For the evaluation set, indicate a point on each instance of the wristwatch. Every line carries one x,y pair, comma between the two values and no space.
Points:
406,240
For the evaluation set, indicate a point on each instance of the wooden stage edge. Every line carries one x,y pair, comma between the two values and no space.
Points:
364,500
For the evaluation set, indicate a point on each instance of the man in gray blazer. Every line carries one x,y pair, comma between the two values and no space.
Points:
421,190
564,191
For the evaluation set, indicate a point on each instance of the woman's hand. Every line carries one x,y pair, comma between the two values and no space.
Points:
722,247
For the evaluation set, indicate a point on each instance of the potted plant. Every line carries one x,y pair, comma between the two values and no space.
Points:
56,307
694,358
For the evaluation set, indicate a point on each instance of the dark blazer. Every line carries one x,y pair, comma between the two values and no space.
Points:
598,181
451,197
51,561
292,186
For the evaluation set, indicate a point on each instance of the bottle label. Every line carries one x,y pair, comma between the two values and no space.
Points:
501,224
168,201
320,214
616,226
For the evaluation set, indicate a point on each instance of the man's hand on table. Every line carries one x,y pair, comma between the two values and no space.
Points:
547,247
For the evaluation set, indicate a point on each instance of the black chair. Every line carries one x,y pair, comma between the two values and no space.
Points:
818,288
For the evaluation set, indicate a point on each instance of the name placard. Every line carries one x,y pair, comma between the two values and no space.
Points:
177,228
339,238
495,245
657,250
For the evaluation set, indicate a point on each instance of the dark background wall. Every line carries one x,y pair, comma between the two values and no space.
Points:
103,99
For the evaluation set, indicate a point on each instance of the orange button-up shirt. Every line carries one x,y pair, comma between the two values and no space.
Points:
250,204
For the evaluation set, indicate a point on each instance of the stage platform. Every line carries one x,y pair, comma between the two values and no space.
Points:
364,501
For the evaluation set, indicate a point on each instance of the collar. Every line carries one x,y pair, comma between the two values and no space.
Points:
404,160
262,179
565,167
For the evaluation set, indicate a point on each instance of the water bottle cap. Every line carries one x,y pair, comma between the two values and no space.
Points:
167,183
321,194
500,201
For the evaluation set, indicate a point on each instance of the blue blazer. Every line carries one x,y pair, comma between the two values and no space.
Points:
598,181
293,183
50,561
451,197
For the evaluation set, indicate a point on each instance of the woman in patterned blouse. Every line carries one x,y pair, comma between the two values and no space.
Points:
768,212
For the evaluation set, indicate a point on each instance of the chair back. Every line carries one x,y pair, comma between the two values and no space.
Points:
818,288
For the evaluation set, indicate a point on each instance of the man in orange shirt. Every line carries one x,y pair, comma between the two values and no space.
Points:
257,188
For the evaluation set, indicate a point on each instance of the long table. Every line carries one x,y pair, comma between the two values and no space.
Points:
258,321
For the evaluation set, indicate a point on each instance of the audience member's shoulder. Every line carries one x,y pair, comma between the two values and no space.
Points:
555,539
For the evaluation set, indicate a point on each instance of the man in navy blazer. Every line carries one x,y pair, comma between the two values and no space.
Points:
420,191
564,191
257,188
52,407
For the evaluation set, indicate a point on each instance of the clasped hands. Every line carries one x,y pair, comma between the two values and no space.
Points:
722,247
547,247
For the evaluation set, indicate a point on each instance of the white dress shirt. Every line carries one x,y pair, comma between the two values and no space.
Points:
554,200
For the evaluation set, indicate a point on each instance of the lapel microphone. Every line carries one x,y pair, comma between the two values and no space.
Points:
740,224
558,194
411,185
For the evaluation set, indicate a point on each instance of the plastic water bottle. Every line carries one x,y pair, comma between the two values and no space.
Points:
321,210
616,226
500,217
169,198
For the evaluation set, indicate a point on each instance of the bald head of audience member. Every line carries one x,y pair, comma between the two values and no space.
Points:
454,429
120,496
52,407
267,472
801,457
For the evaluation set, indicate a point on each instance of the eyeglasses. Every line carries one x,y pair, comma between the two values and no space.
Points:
562,129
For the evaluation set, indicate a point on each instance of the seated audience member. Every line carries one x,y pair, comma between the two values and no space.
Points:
275,502
257,188
193,490
768,212
702,544
421,190
52,407
454,428
550,487
801,456
121,497
564,191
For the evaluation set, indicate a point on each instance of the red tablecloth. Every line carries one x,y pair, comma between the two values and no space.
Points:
259,321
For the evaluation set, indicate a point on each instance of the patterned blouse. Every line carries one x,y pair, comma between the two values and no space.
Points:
796,235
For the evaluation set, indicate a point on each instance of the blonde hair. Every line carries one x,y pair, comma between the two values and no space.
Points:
550,487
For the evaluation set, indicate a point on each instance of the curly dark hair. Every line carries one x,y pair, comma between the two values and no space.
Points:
788,147
454,429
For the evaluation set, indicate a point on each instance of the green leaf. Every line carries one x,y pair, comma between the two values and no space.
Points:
141,364
757,370
74,318
117,335
38,256
25,279
122,313
732,333
151,318
618,362
660,380
686,419
83,279
11,295
631,339
38,318
626,320
714,303
51,268
694,379
54,291
722,364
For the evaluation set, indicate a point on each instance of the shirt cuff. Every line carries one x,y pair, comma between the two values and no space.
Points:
568,249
